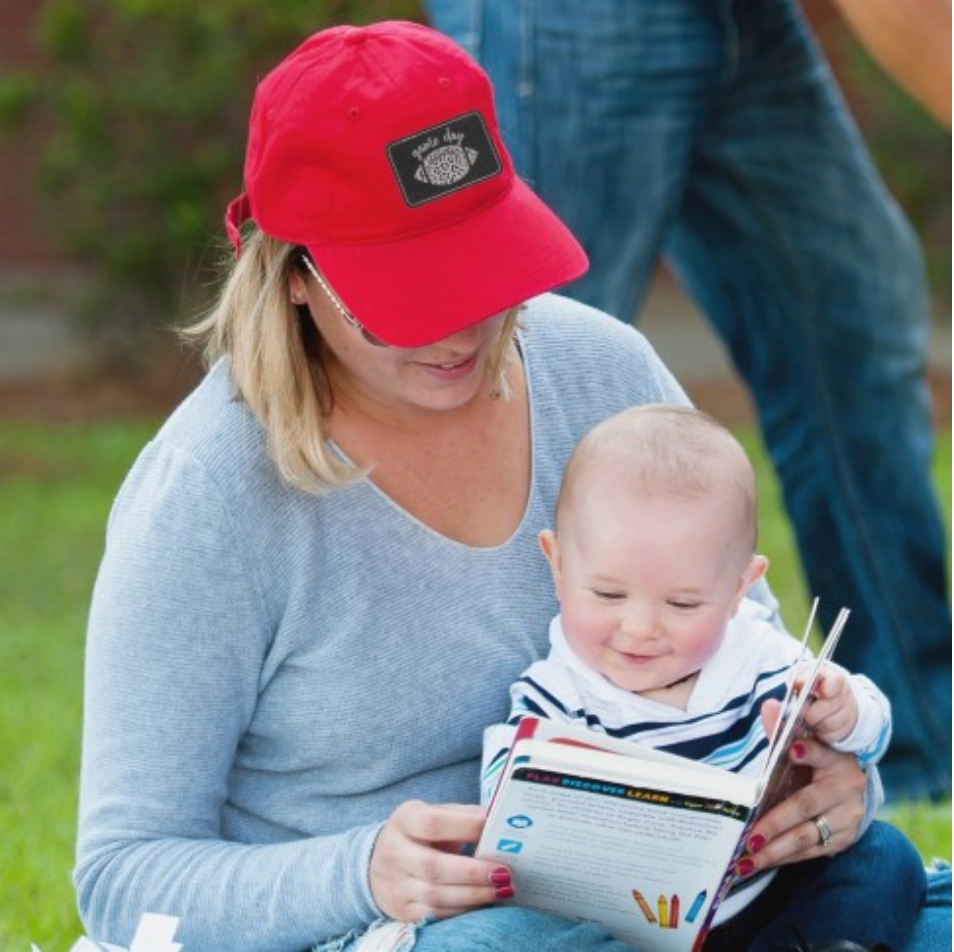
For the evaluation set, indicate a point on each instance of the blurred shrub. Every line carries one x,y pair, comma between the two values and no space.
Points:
144,105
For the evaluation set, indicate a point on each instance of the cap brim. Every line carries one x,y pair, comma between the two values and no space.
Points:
422,289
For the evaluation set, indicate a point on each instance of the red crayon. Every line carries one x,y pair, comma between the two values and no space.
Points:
674,912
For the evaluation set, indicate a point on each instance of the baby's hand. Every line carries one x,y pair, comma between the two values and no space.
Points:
833,714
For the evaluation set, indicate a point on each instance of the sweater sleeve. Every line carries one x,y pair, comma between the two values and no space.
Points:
178,634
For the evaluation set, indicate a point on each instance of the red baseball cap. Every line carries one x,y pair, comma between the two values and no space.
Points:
377,149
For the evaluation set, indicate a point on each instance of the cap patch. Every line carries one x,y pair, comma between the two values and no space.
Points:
444,159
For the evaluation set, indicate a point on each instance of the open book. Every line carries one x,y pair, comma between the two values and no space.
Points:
641,840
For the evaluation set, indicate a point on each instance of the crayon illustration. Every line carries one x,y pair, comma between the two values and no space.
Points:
696,906
663,912
674,911
647,912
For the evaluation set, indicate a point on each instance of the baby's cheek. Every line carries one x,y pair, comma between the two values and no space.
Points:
586,631
703,642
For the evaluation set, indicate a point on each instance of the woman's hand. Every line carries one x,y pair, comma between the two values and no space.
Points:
417,869
788,833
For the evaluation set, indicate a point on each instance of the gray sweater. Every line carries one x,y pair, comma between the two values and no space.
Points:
269,674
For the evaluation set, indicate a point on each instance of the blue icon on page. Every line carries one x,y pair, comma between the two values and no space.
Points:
519,822
509,846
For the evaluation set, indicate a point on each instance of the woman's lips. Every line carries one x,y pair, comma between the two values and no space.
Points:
451,369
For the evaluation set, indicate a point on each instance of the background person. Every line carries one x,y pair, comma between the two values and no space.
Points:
711,132
911,42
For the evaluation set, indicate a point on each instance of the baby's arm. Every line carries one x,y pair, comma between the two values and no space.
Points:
526,700
849,713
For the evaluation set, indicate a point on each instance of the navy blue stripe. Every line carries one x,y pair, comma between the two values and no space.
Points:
701,748
735,733
530,707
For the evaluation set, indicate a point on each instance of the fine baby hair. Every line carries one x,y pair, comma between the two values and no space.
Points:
666,450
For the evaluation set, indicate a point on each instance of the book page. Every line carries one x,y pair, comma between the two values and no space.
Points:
644,862
573,742
642,766
780,777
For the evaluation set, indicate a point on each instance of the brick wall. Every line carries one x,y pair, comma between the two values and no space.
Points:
26,226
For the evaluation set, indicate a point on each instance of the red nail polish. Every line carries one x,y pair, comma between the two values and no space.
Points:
503,892
798,751
756,842
745,867
500,877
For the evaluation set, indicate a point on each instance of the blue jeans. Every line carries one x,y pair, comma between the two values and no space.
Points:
847,892
824,900
711,132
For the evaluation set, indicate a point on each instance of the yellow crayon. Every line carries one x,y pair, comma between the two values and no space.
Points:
647,912
663,913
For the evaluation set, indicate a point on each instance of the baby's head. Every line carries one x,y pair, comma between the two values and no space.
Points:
654,545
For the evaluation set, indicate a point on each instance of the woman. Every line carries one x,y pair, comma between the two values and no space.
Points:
321,575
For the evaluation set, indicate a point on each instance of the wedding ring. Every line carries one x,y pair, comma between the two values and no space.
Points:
824,830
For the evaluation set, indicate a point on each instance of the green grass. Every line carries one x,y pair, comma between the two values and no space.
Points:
56,486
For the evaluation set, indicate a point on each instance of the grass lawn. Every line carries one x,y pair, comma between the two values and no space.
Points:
56,486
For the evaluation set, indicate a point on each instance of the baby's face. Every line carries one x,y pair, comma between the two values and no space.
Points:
647,584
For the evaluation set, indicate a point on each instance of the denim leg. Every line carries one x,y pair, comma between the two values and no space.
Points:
505,928
802,260
869,894
513,929
713,128
932,930
599,104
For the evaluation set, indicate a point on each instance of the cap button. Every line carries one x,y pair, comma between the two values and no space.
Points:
356,38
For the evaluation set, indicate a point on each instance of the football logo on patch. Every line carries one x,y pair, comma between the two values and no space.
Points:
445,164
443,159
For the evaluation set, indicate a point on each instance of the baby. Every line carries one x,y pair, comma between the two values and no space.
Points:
652,557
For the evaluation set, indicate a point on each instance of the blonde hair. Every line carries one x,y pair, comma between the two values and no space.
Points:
278,360
669,450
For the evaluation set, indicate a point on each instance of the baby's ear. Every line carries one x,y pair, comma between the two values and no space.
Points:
548,545
756,569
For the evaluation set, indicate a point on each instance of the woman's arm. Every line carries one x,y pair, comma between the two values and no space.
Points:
910,41
178,636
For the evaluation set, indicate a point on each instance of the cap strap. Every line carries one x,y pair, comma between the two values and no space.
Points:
239,212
